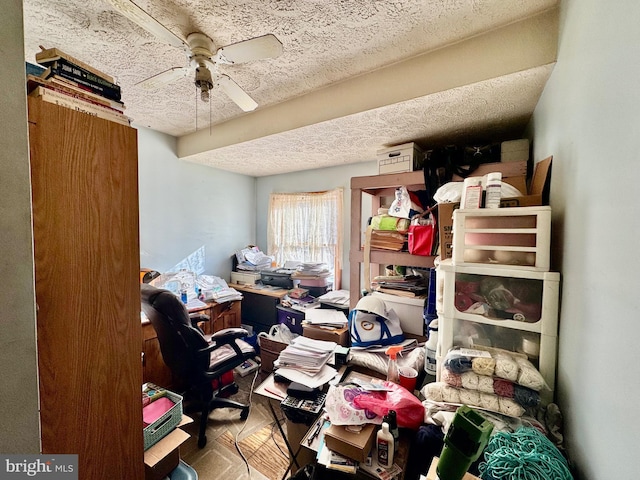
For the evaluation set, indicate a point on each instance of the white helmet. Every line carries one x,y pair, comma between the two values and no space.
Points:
373,305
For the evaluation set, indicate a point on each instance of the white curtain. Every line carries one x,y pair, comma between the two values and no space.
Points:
307,227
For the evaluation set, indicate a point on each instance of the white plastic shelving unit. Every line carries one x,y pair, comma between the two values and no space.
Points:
517,237
529,327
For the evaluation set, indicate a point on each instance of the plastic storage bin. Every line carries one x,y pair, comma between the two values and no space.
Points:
183,472
291,318
165,424
518,237
532,330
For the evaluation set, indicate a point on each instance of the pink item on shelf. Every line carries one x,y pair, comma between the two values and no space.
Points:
156,409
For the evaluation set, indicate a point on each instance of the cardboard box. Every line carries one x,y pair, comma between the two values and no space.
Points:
401,158
338,335
355,445
163,457
514,150
537,194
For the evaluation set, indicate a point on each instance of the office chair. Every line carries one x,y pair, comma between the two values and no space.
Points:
192,358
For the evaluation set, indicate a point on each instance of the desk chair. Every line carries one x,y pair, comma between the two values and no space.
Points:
194,359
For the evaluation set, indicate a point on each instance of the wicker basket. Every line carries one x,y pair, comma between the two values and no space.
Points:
165,424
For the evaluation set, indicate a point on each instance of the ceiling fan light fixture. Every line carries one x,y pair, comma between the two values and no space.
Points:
204,82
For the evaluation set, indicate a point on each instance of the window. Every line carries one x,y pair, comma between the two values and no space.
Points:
307,227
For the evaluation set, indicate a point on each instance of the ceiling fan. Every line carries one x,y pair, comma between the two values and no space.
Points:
203,61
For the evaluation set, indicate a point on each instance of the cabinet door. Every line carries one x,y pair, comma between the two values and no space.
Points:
84,177
226,315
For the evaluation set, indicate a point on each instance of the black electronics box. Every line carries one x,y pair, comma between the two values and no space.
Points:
275,279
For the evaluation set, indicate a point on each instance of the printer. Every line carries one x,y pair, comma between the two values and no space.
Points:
276,278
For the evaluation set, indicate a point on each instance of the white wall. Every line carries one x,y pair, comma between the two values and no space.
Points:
312,181
19,390
185,206
588,120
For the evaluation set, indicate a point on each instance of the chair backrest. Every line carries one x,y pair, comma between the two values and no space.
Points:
179,339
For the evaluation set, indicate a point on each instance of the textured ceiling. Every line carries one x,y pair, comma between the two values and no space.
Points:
326,43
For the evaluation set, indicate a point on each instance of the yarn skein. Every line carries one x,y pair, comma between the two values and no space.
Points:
525,454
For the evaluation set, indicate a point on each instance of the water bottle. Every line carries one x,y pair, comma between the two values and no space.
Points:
430,349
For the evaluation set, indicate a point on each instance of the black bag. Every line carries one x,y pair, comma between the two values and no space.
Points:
442,163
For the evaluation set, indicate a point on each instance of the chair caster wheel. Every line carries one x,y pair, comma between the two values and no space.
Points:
202,442
244,414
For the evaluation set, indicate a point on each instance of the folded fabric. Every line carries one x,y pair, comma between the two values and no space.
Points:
156,409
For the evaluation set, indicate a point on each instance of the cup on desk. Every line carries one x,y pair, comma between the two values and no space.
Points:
408,377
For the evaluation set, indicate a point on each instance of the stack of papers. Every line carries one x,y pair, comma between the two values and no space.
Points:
337,297
217,289
305,361
326,317
252,259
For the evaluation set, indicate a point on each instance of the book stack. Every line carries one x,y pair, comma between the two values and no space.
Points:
402,285
71,83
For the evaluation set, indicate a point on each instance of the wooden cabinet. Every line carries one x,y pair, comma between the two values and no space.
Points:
222,315
376,187
84,174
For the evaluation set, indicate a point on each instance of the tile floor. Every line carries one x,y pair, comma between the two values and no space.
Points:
259,439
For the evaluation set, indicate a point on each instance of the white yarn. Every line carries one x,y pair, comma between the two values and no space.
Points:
451,394
485,384
433,391
469,380
469,397
506,367
529,376
509,407
490,402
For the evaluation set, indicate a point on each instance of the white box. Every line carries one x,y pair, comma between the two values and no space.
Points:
514,150
409,311
401,158
245,278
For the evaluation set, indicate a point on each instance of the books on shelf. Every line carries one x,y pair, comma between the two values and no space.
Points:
71,89
72,83
83,79
49,55
81,105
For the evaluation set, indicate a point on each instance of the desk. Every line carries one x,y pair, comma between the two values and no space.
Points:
259,305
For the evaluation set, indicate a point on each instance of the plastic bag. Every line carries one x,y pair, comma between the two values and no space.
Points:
409,410
422,233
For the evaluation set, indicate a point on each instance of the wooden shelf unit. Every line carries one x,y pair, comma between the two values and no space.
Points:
378,186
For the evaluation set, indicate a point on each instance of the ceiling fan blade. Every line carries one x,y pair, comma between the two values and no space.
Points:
137,15
164,78
236,93
266,46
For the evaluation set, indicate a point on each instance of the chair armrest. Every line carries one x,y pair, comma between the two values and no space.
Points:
198,317
228,335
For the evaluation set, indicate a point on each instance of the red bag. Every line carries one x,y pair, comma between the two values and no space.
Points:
409,409
421,236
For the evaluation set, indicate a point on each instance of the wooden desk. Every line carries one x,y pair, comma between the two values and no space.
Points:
259,306
221,315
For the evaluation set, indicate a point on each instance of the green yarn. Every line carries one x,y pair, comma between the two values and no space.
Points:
525,454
